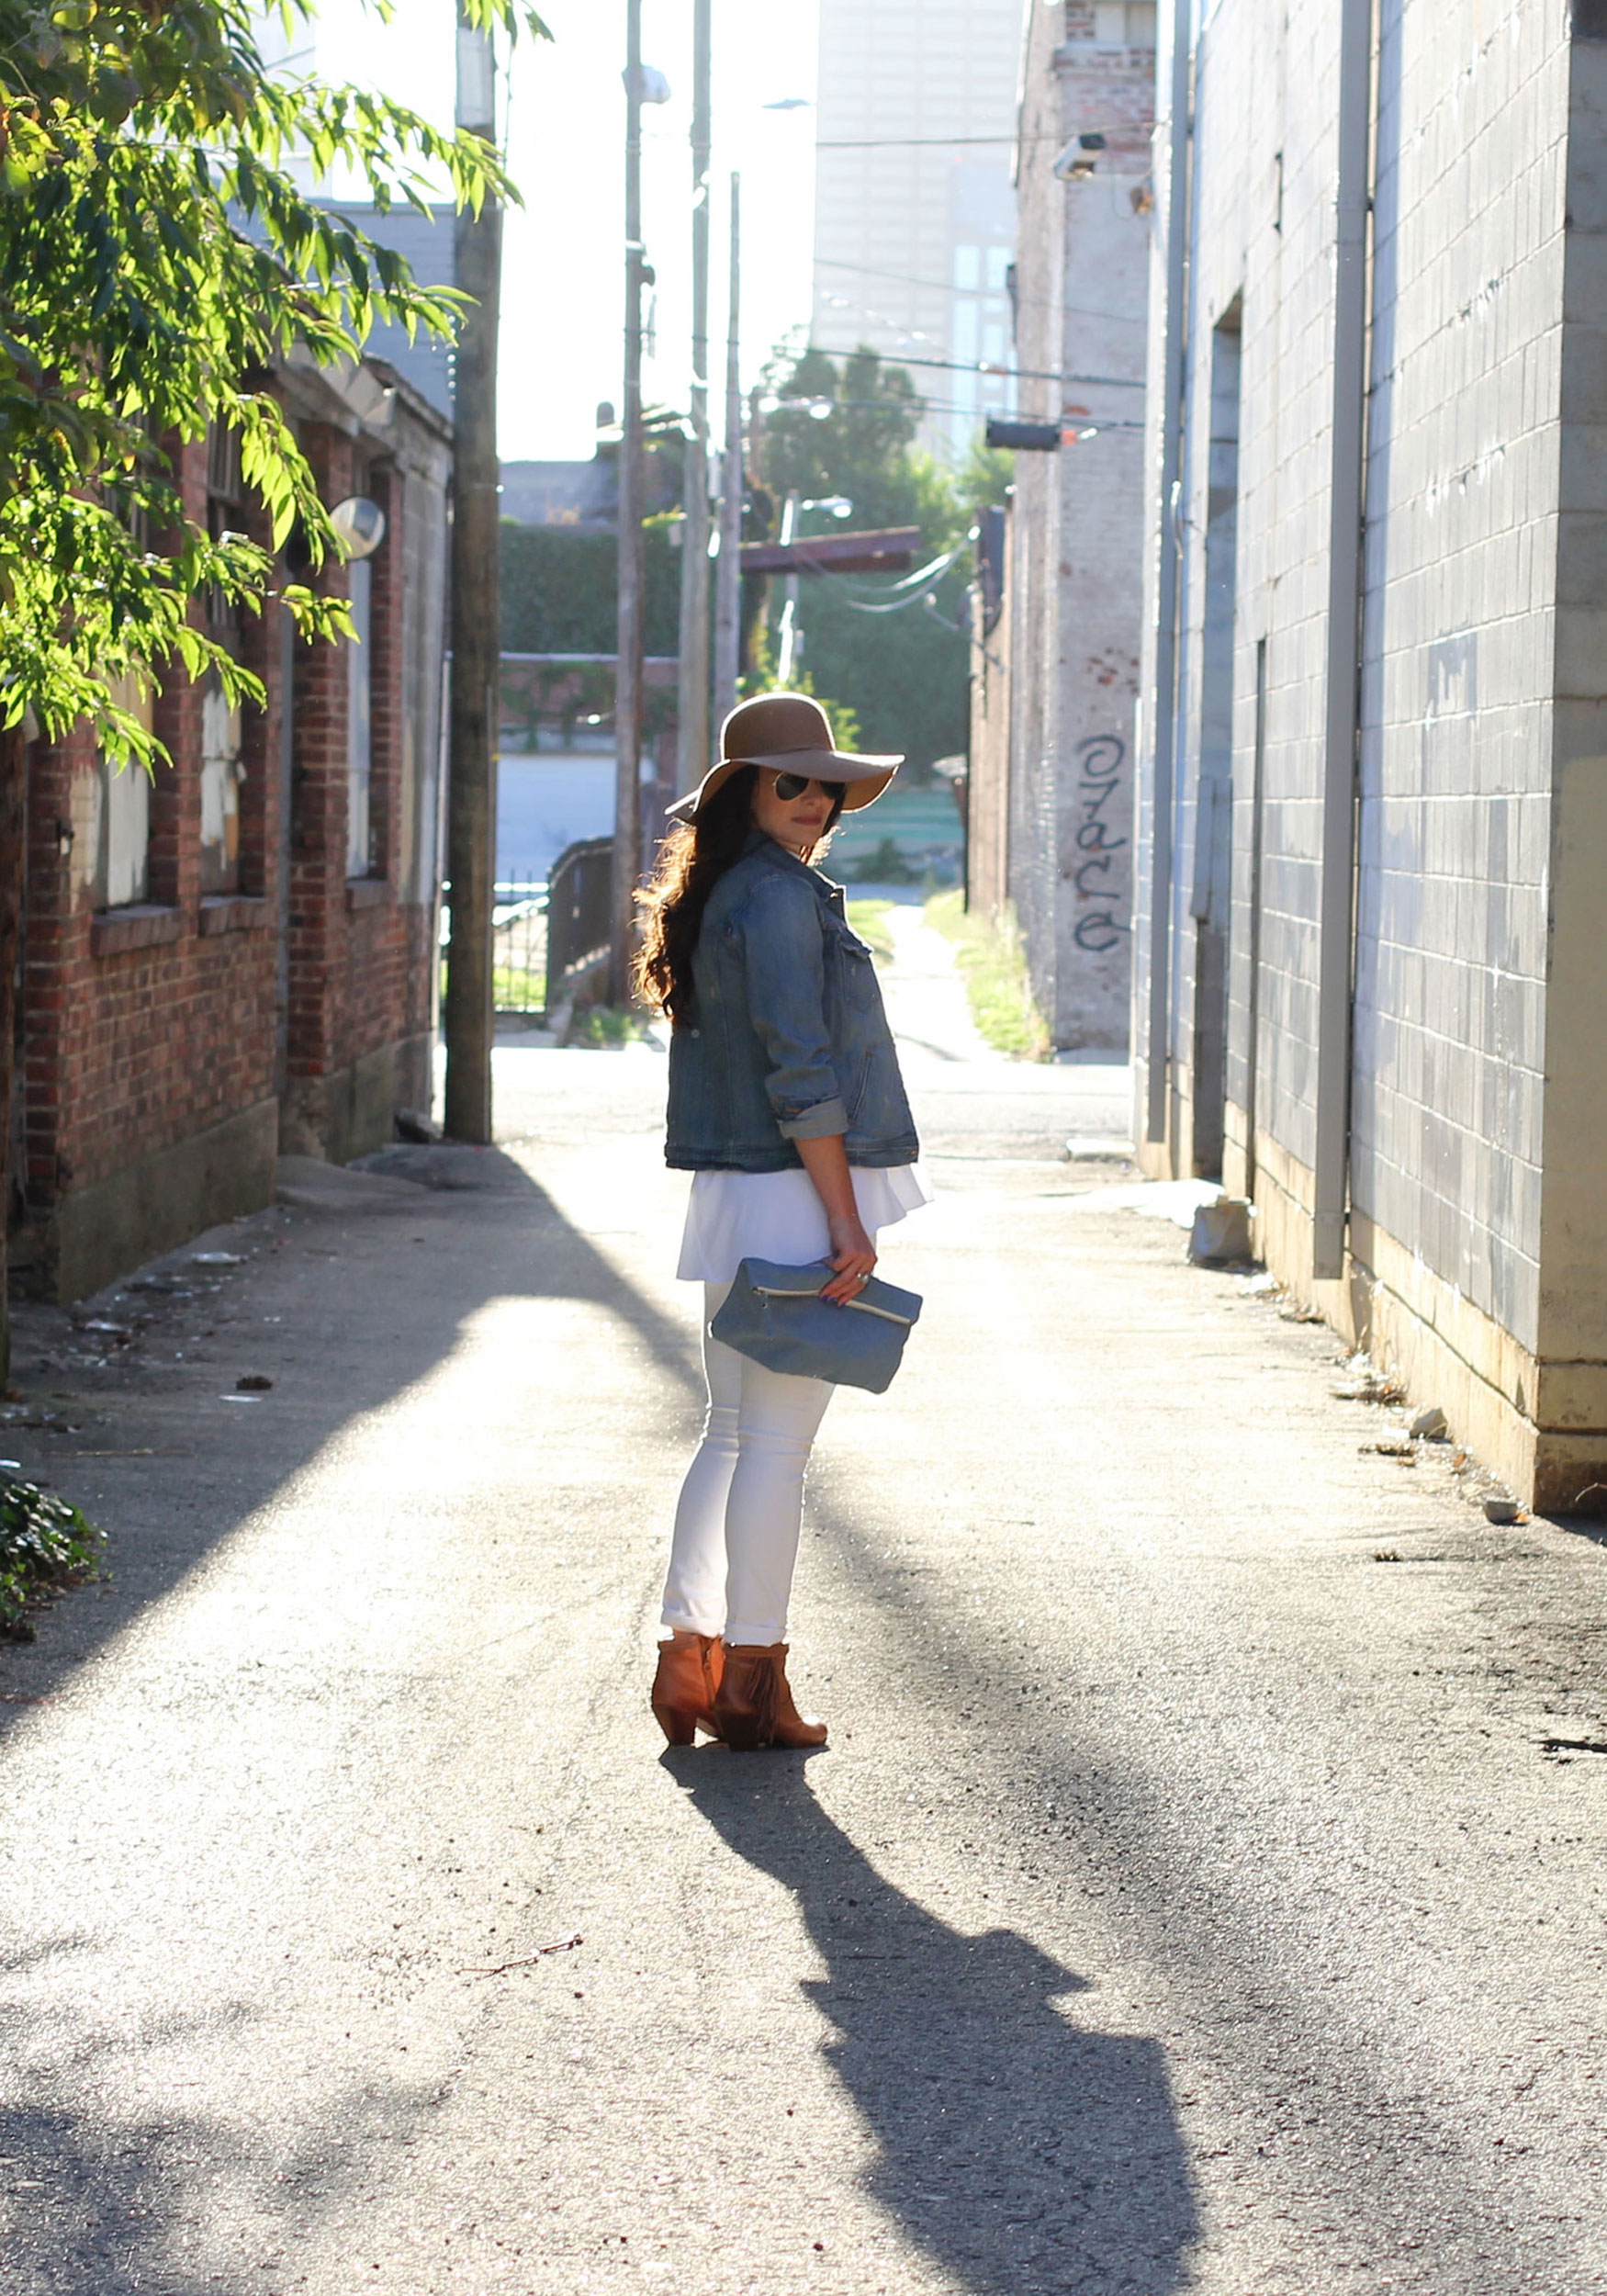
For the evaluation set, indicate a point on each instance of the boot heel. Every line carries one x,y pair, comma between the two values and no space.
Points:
682,1696
679,1727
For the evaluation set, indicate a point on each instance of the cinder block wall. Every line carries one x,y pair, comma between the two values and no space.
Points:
1482,647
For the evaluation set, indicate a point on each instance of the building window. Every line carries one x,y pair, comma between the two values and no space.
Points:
221,770
1125,23
359,724
221,774
122,827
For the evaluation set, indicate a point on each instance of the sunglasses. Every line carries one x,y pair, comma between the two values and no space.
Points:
791,786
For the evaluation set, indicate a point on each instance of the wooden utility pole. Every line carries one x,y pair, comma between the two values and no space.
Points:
728,566
627,689
789,649
694,681
471,816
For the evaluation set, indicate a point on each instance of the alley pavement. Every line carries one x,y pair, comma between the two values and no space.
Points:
1203,1888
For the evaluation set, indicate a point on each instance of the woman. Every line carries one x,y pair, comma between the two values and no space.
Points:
787,1106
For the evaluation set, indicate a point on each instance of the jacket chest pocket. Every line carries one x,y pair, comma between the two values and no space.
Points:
857,970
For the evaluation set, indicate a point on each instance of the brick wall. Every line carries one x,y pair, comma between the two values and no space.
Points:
157,1040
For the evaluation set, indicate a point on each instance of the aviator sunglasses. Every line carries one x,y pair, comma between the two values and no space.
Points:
791,785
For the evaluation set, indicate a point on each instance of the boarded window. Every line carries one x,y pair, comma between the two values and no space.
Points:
222,772
359,726
122,827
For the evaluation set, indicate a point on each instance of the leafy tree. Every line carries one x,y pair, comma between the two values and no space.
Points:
983,479
560,595
155,257
904,674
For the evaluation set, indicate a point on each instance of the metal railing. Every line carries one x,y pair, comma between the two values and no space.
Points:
519,944
578,893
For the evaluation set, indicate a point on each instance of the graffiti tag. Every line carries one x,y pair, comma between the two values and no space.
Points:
1096,875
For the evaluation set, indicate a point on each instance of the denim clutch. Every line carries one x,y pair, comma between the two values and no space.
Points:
776,1316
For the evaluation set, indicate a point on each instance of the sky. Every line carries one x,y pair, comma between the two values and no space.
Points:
563,264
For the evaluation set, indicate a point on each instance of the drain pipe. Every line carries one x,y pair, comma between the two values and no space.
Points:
1337,916
1171,538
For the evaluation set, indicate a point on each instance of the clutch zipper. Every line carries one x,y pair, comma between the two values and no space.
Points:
860,1307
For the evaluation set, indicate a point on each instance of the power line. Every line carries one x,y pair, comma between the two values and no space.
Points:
1007,374
1045,302
912,144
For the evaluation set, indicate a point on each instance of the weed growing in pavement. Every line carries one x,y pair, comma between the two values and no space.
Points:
868,919
45,1544
605,1028
993,966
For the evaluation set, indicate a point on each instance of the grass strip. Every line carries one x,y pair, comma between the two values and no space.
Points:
993,967
606,1028
45,1545
868,919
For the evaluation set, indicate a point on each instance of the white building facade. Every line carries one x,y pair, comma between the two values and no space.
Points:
914,212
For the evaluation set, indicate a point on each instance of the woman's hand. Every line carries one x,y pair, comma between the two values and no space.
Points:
852,1255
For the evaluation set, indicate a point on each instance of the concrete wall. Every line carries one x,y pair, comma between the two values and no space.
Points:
1072,590
1477,973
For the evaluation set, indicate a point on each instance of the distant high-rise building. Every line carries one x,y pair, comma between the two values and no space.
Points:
915,209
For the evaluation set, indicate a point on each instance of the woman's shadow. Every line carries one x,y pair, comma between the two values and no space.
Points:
1024,2151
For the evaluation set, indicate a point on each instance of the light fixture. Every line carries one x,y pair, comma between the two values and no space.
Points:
360,524
1074,165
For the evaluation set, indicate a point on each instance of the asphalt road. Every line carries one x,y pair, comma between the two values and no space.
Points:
1203,1888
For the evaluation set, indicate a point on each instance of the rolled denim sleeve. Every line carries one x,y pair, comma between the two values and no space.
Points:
784,956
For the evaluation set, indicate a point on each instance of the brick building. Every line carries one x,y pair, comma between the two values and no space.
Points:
1374,719
238,958
1055,669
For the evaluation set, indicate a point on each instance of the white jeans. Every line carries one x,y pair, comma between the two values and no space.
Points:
736,1541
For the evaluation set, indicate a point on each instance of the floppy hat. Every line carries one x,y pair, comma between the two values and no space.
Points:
793,733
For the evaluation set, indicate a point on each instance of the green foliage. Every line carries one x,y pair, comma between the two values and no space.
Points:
154,258
605,1029
559,591
983,479
995,970
885,864
906,675
45,1544
764,678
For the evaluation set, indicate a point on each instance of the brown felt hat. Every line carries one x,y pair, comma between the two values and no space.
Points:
792,733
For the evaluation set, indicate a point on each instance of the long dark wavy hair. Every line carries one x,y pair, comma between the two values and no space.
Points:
694,858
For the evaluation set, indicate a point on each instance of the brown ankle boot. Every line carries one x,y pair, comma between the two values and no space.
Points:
754,1707
689,1668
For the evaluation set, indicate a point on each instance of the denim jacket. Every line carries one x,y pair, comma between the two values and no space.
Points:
788,1039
